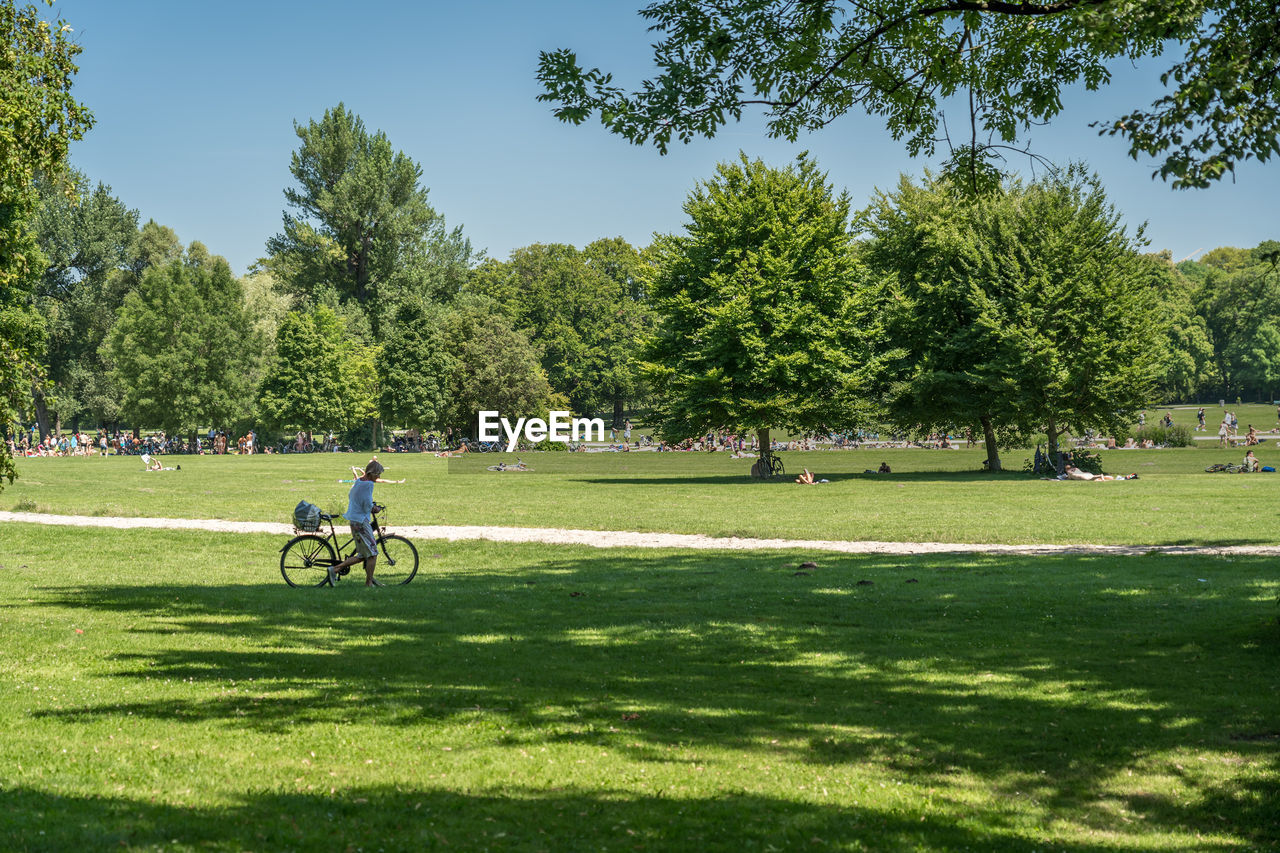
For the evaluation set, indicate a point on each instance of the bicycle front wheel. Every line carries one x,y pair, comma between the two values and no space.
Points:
398,560
305,561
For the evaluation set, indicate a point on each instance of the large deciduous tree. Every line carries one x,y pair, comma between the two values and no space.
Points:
1187,364
808,63
38,121
1239,303
494,366
757,304
583,309
415,367
1025,309
320,377
359,224
182,348
90,245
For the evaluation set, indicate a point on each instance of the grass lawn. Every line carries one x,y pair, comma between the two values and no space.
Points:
1261,415
932,495
166,690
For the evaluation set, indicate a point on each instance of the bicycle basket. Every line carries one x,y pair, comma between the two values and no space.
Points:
306,517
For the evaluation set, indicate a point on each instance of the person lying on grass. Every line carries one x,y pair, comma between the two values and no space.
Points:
449,454
154,464
1074,473
359,514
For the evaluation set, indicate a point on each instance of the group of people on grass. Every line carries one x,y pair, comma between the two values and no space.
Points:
28,443
31,445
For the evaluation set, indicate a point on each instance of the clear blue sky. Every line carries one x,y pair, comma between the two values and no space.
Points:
195,104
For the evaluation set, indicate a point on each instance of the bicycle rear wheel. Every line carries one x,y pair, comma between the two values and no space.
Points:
397,560
305,561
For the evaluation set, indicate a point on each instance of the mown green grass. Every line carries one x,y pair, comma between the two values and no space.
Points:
165,690
931,496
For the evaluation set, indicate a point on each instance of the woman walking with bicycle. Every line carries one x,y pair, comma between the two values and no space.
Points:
359,510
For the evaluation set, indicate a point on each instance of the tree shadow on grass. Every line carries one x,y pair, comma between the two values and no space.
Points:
430,819
1042,677
789,478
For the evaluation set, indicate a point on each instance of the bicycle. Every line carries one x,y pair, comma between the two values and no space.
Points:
768,466
305,559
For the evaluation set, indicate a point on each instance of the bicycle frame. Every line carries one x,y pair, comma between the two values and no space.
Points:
341,549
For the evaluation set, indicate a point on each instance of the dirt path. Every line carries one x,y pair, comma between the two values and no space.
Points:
631,539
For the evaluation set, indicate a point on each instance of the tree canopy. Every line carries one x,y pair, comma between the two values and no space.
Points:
319,376
808,63
359,224
1028,308
38,121
1239,301
585,310
758,324
90,242
182,348
415,367
494,366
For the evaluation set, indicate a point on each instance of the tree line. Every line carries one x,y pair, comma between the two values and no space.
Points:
913,311
366,307
968,299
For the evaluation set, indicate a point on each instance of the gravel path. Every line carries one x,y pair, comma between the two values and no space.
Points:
631,539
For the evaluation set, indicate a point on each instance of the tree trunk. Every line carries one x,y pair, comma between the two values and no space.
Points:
989,436
1054,457
618,413
759,469
42,411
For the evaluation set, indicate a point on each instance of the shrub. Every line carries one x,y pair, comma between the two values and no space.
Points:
1175,436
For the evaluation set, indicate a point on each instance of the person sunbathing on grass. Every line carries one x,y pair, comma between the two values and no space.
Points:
518,466
153,464
1074,473
1250,462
